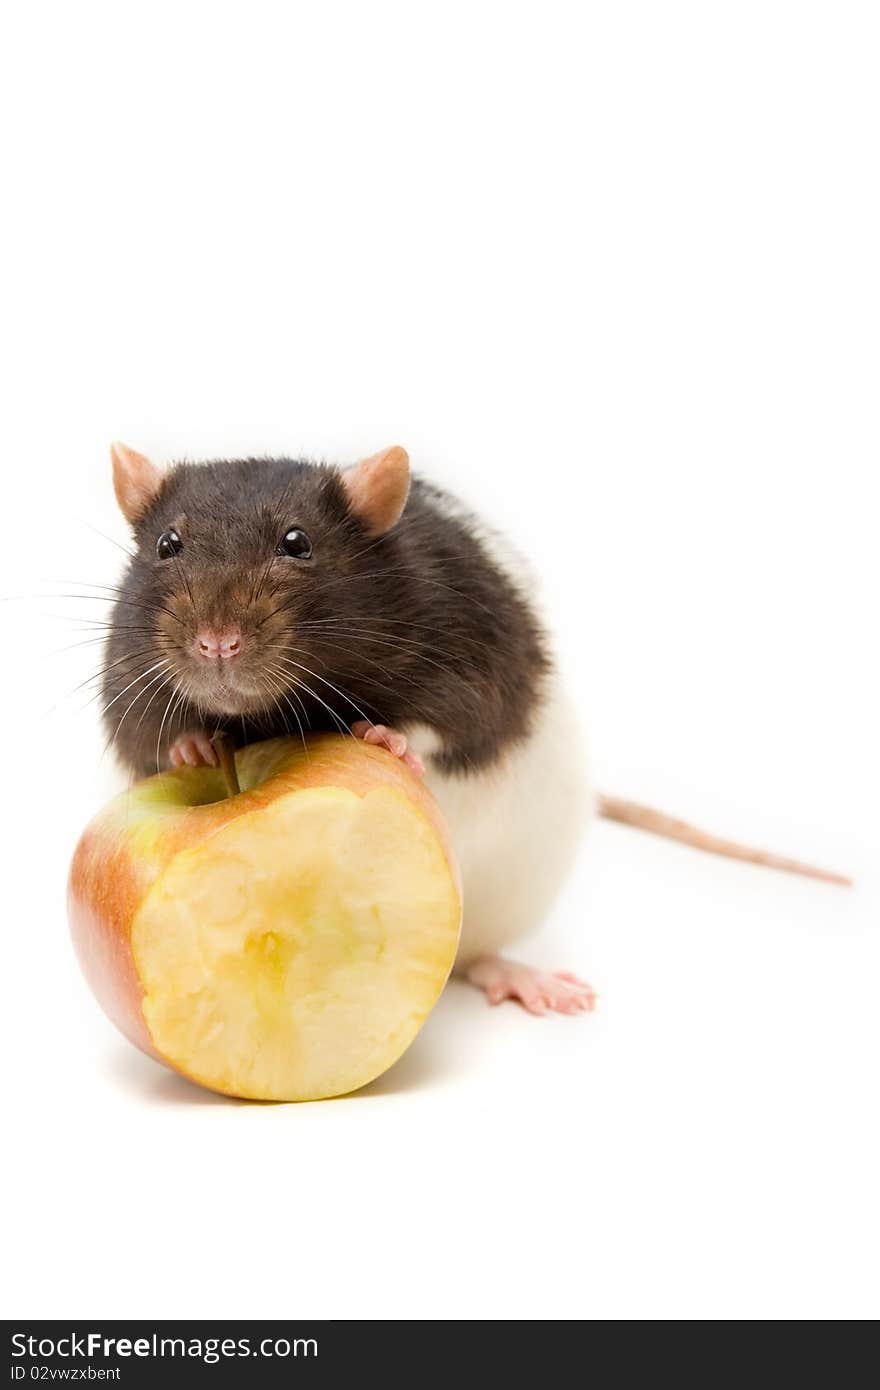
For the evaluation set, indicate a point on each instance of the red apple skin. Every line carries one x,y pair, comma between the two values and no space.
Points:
129,843
105,888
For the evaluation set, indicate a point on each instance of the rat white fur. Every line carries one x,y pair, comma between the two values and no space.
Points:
515,827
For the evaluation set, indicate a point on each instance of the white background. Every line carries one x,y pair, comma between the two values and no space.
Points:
611,271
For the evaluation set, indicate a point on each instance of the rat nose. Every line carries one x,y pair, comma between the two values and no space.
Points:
211,644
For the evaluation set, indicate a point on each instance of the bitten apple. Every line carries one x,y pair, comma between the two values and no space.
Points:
285,943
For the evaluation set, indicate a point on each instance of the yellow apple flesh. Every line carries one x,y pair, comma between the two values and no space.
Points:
286,943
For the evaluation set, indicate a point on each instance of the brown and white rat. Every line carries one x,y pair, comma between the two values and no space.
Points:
271,596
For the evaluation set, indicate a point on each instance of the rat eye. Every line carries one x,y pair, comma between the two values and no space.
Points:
168,545
296,544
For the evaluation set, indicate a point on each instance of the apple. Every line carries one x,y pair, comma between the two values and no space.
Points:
283,943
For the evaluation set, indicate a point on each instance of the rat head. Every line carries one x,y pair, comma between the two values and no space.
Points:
243,567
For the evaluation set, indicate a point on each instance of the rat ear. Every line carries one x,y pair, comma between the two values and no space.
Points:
377,489
136,481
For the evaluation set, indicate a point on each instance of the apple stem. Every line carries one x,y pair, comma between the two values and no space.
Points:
227,763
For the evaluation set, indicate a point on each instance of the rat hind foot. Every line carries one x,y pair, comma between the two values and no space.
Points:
536,990
194,749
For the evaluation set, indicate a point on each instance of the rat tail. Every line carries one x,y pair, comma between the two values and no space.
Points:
658,823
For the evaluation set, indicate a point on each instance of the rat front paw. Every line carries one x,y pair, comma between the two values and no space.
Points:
193,749
392,739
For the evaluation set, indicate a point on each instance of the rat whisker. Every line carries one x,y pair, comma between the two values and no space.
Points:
88,624
366,550
86,584
305,713
362,656
123,602
96,624
157,691
393,623
80,521
419,645
340,723
284,680
278,693
282,608
264,576
176,690
128,707
309,672
411,574
86,642
177,712
99,691
411,648
109,666
301,651
302,735
416,648
186,584
139,677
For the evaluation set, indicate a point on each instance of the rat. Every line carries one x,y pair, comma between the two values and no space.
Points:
269,597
